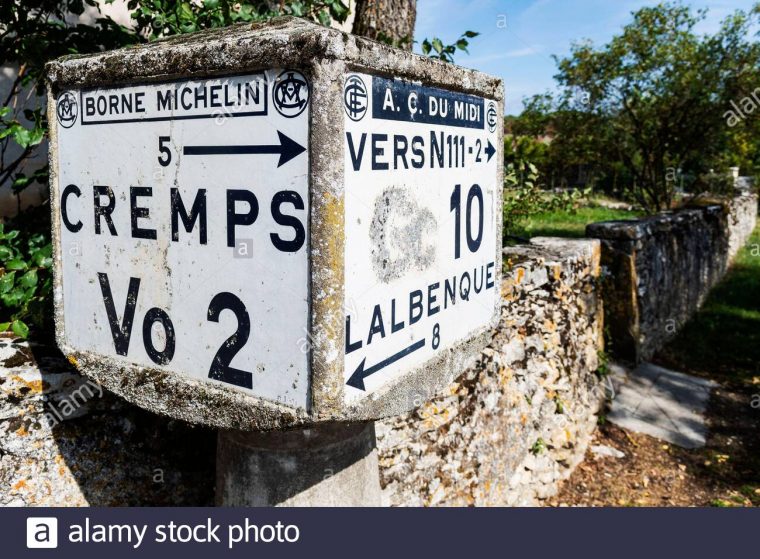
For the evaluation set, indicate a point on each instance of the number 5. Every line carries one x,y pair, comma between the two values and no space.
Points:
164,149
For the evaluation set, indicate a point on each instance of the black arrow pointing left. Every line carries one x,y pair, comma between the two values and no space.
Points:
287,149
357,379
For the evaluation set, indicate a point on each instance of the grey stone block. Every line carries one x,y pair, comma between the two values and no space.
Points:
664,404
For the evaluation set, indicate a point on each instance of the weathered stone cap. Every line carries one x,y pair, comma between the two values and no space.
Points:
285,42
641,228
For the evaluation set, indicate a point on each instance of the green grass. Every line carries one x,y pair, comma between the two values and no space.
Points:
565,224
723,339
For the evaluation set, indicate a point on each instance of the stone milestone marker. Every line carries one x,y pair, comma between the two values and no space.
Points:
274,226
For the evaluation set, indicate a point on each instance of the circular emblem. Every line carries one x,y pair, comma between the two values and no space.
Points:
355,98
291,93
66,109
491,116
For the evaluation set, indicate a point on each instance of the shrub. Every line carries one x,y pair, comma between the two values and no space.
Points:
26,273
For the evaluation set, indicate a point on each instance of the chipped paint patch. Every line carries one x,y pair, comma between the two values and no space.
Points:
401,235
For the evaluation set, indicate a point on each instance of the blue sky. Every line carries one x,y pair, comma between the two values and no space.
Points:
518,37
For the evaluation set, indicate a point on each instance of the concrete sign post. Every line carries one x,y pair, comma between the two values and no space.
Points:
275,227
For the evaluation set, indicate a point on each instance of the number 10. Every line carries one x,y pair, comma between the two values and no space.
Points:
473,242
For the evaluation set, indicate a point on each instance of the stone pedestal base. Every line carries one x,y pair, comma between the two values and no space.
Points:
330,465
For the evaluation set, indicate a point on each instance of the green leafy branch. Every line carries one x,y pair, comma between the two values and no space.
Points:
159,18
434,48
25,279
523,197
26,138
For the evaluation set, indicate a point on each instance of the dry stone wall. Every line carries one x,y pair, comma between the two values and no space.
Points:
657,271
515,424
741,213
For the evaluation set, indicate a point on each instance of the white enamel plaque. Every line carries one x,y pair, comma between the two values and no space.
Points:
183,219
420,207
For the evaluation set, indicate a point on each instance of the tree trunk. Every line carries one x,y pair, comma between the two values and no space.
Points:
388,21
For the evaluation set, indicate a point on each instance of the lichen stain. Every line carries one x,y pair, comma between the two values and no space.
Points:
333,263
36,386
401,235
520,275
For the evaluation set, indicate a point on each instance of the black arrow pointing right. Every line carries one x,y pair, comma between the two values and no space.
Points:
490,150
287,149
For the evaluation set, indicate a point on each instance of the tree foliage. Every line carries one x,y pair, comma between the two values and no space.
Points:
161,18
651,105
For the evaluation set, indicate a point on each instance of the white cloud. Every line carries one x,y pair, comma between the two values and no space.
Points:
515,53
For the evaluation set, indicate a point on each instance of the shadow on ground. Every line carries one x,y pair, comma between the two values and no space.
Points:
64,441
